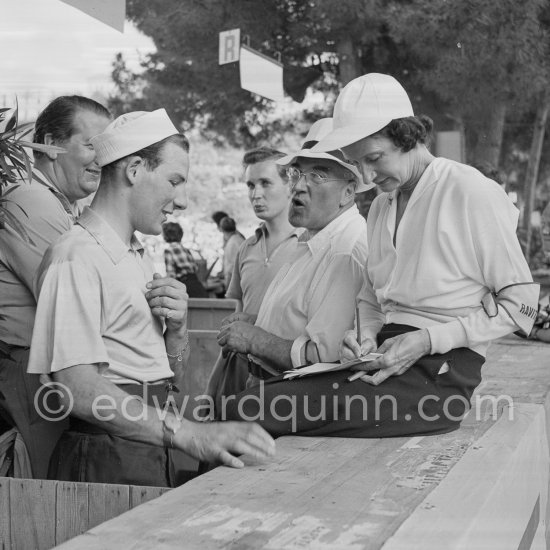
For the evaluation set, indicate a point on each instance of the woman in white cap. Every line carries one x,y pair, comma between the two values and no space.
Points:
445,272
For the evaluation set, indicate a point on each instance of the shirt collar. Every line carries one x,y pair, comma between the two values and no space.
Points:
106,236
261,230
320,240
71,208
39,176
427,179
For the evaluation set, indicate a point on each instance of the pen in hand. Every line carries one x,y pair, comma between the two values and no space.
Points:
356,375
358,325
360,373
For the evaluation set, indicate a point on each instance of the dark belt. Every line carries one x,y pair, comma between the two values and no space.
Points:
145,391
6,349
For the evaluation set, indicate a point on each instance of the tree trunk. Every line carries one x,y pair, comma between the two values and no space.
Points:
489,140
533,167
348,60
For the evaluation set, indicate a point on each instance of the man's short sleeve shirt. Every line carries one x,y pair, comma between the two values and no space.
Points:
92,307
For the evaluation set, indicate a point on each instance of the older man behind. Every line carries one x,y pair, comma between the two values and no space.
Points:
46,208
109,329
311,301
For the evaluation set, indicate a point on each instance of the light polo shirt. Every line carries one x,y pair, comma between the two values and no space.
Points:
230,250
456,243
255,269
37,206
313,298
92,307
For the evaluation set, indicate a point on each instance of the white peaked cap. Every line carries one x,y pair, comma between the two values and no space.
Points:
130,133
365,105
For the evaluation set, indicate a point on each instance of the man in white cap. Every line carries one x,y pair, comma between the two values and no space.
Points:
112,334
311,301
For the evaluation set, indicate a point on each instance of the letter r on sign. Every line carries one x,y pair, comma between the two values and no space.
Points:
230,43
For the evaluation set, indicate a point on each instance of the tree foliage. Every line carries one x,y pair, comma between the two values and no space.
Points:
483,58
16,164
469,64
184,75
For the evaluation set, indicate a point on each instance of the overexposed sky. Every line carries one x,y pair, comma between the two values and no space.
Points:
49,48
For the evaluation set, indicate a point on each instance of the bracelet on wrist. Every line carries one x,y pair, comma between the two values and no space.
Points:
168,433
179,356
429,342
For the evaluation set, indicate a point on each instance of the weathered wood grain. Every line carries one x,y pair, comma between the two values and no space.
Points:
348,493
71,510
32,514
5,526
106,501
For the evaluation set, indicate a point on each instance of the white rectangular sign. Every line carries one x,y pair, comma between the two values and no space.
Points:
261,75
230,42
110,12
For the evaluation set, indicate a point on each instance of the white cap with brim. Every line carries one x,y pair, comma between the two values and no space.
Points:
318,131
130,133
365,106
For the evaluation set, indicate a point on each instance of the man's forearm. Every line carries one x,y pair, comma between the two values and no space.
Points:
178,351
97,400
273,350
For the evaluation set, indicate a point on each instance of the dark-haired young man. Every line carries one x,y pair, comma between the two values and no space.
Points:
113,334
259,258
46,208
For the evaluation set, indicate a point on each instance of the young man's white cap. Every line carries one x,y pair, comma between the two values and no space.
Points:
130,133
365,105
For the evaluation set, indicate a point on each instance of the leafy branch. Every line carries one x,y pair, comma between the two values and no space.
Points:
16,164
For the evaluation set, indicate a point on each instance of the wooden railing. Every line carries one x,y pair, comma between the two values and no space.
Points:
39,514
485,485
208,313
482,486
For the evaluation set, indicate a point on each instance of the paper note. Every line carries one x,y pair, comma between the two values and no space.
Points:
318,368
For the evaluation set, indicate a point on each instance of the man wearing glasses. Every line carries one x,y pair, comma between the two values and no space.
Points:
311,301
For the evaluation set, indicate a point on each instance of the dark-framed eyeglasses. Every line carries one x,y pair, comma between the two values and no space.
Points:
314,177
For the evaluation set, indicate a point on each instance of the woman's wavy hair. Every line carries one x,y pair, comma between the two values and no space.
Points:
406,132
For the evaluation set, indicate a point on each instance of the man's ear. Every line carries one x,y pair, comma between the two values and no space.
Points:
348,194
48,140
133,168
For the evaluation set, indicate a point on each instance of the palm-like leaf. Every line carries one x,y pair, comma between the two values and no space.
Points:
41,147
15,164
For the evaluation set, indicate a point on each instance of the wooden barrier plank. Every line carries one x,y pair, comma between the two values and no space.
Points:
32,511
492,497
106,501
208,313
140,495
71,510
350,493
42,513
5,527
317,493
